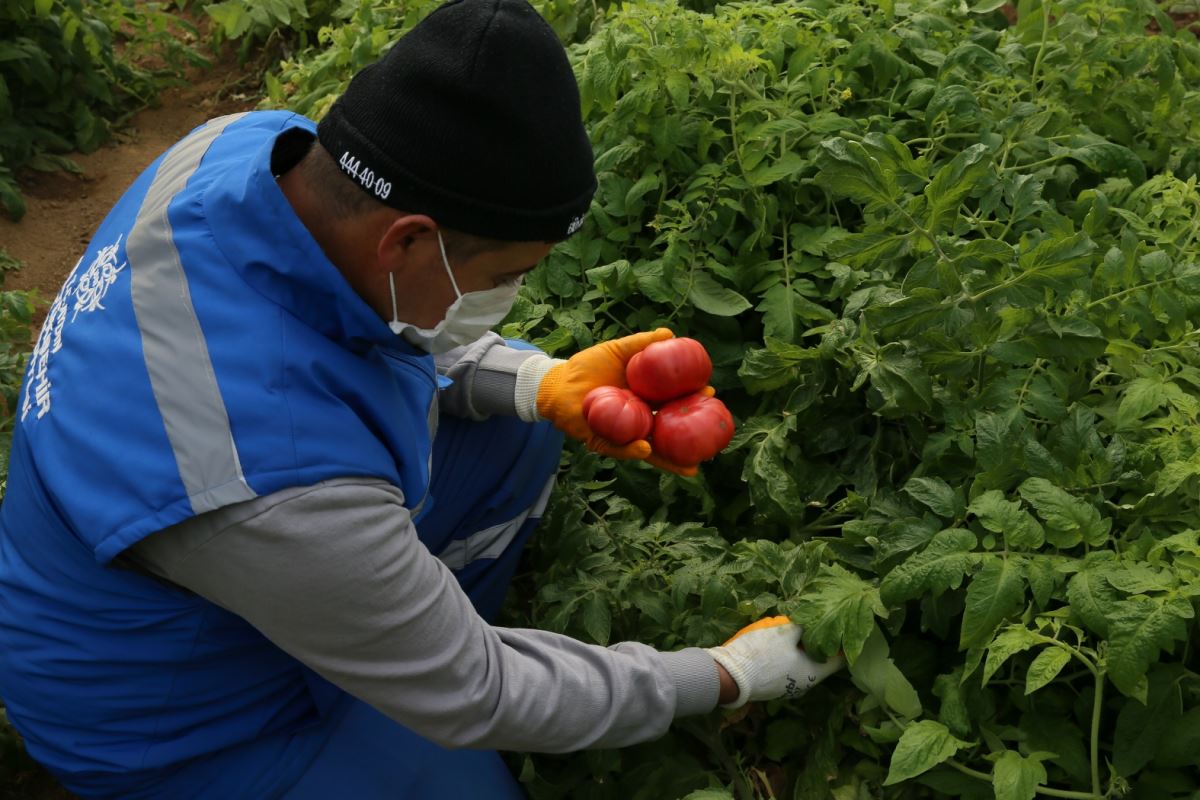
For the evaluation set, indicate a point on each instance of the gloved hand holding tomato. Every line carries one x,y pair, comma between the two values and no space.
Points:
560,391
586,398
692,427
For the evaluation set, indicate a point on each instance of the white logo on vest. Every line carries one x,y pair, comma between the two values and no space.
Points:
88,290
97,278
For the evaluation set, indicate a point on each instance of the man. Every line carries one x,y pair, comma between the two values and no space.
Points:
242,554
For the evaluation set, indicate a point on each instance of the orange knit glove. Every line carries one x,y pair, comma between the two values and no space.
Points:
560,396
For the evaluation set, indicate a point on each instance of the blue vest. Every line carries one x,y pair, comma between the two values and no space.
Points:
202,352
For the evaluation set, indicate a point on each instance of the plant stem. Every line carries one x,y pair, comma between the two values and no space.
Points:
1183,342
1037,62
1037,366
1095,752
928,235
1046,790
766,782
1131,289
622,325
1012,220
733,118
1043,162
787,270
1095,794
1075,653
930,140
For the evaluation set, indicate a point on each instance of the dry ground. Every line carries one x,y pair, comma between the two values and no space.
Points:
65,210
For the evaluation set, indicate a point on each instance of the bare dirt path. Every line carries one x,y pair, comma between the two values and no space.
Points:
65,209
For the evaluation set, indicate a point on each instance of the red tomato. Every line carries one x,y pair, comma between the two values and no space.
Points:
617,414
692,429
670,369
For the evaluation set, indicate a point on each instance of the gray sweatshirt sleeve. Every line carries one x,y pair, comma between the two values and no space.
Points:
334,575
485,375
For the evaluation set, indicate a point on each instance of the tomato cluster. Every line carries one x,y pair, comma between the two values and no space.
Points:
688,426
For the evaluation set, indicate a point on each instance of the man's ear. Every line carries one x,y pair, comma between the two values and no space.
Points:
406,239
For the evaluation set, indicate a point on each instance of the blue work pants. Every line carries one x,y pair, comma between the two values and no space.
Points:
485,476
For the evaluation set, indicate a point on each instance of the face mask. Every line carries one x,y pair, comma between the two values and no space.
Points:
470,316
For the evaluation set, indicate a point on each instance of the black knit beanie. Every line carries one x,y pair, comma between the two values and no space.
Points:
472,118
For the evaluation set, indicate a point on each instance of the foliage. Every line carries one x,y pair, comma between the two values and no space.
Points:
357,32
948,270
313,80
63,82
257,22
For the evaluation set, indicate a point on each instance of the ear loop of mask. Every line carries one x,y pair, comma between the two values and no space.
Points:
446,263
395,323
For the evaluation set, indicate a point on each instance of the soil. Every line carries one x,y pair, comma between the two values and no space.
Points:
65,209
1182,19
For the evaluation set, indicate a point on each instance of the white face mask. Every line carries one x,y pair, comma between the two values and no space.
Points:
470,316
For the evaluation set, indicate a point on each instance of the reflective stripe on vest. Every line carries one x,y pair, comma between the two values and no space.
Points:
177,358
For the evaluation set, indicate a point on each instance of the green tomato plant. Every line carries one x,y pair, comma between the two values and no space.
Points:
948,269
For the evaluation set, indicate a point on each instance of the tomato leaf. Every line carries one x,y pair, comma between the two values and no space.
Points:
922,746
996,592
1069,519
1141,627
847,169
877,674
710,296
935,494
1141,727
766,174
597,618
1020,530
1010,641
785,310
838,611
940,566
900,379
1015,777
1045,668
953,183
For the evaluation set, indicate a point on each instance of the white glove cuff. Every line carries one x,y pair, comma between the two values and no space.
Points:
529,380
741,670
